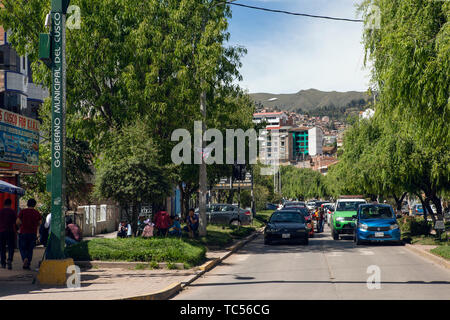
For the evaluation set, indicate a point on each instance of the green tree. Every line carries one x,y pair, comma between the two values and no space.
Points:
410,53
129,170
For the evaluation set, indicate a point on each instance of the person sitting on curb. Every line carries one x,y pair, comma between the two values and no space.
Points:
162,222
73,233
148,229
140,225
192,223
175,228
124,229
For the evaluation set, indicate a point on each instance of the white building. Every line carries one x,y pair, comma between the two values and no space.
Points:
274,139
315,141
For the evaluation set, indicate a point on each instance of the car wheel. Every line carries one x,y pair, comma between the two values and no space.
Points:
335,235
358,242
236,223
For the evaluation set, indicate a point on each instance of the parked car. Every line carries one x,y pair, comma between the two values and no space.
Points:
309,221
286,226
376,222
271,206
227,214
418,210
311,204
328,207
342,221
289,204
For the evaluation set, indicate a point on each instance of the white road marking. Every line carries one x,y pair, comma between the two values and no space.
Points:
241,257
366,252
334,254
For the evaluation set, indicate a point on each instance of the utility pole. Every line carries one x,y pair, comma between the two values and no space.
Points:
203,173
203,188
52,50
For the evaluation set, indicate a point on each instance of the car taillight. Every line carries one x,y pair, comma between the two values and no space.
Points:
248,213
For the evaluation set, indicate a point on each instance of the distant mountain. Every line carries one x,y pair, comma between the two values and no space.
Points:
313,102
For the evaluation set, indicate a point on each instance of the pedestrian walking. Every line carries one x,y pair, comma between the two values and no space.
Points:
321,219
29,221
44,230
7,233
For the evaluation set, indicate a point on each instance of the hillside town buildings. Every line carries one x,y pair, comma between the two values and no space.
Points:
289,138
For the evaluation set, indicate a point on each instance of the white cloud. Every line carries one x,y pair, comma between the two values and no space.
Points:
321,54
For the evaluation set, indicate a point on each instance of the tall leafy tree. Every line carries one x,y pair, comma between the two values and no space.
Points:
411,62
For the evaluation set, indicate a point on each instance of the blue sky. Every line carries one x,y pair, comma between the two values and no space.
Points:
289,53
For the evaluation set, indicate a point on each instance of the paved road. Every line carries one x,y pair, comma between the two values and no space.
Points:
326,269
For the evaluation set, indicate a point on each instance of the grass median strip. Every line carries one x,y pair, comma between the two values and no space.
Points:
442,251
190,252
139,250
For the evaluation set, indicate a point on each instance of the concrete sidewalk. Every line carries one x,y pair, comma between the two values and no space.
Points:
97,283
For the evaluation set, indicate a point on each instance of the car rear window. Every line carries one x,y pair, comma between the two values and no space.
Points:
294,217
348,205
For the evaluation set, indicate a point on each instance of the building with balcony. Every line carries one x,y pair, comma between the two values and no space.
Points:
305,142
18,93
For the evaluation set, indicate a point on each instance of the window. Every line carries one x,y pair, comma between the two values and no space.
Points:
102,216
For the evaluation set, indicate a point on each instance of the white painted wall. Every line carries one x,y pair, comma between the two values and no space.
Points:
315,141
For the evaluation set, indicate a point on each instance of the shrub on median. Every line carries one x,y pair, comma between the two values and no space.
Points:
139,249
414,226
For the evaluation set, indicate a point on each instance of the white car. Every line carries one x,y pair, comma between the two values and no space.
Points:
329,207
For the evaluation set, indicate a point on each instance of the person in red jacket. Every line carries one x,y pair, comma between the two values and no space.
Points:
162,222
29,220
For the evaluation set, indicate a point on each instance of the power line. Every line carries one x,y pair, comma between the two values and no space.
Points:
292,13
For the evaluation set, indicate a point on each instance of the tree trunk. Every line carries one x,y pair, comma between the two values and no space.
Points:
134,216
399,201
230,196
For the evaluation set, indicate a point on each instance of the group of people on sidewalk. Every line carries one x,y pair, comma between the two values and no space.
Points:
162,225
29,227
27,224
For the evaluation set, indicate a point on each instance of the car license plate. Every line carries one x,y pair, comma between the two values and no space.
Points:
286,235
379,234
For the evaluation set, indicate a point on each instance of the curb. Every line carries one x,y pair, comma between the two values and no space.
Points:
160,295
429,256
175,288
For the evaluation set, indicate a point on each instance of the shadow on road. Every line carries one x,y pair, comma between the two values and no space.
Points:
313,282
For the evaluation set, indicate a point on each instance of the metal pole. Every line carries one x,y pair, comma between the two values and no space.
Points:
58,37
203,172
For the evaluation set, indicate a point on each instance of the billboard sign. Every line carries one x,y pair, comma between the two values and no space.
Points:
19,142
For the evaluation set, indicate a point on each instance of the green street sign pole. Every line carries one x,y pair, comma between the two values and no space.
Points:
55,250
